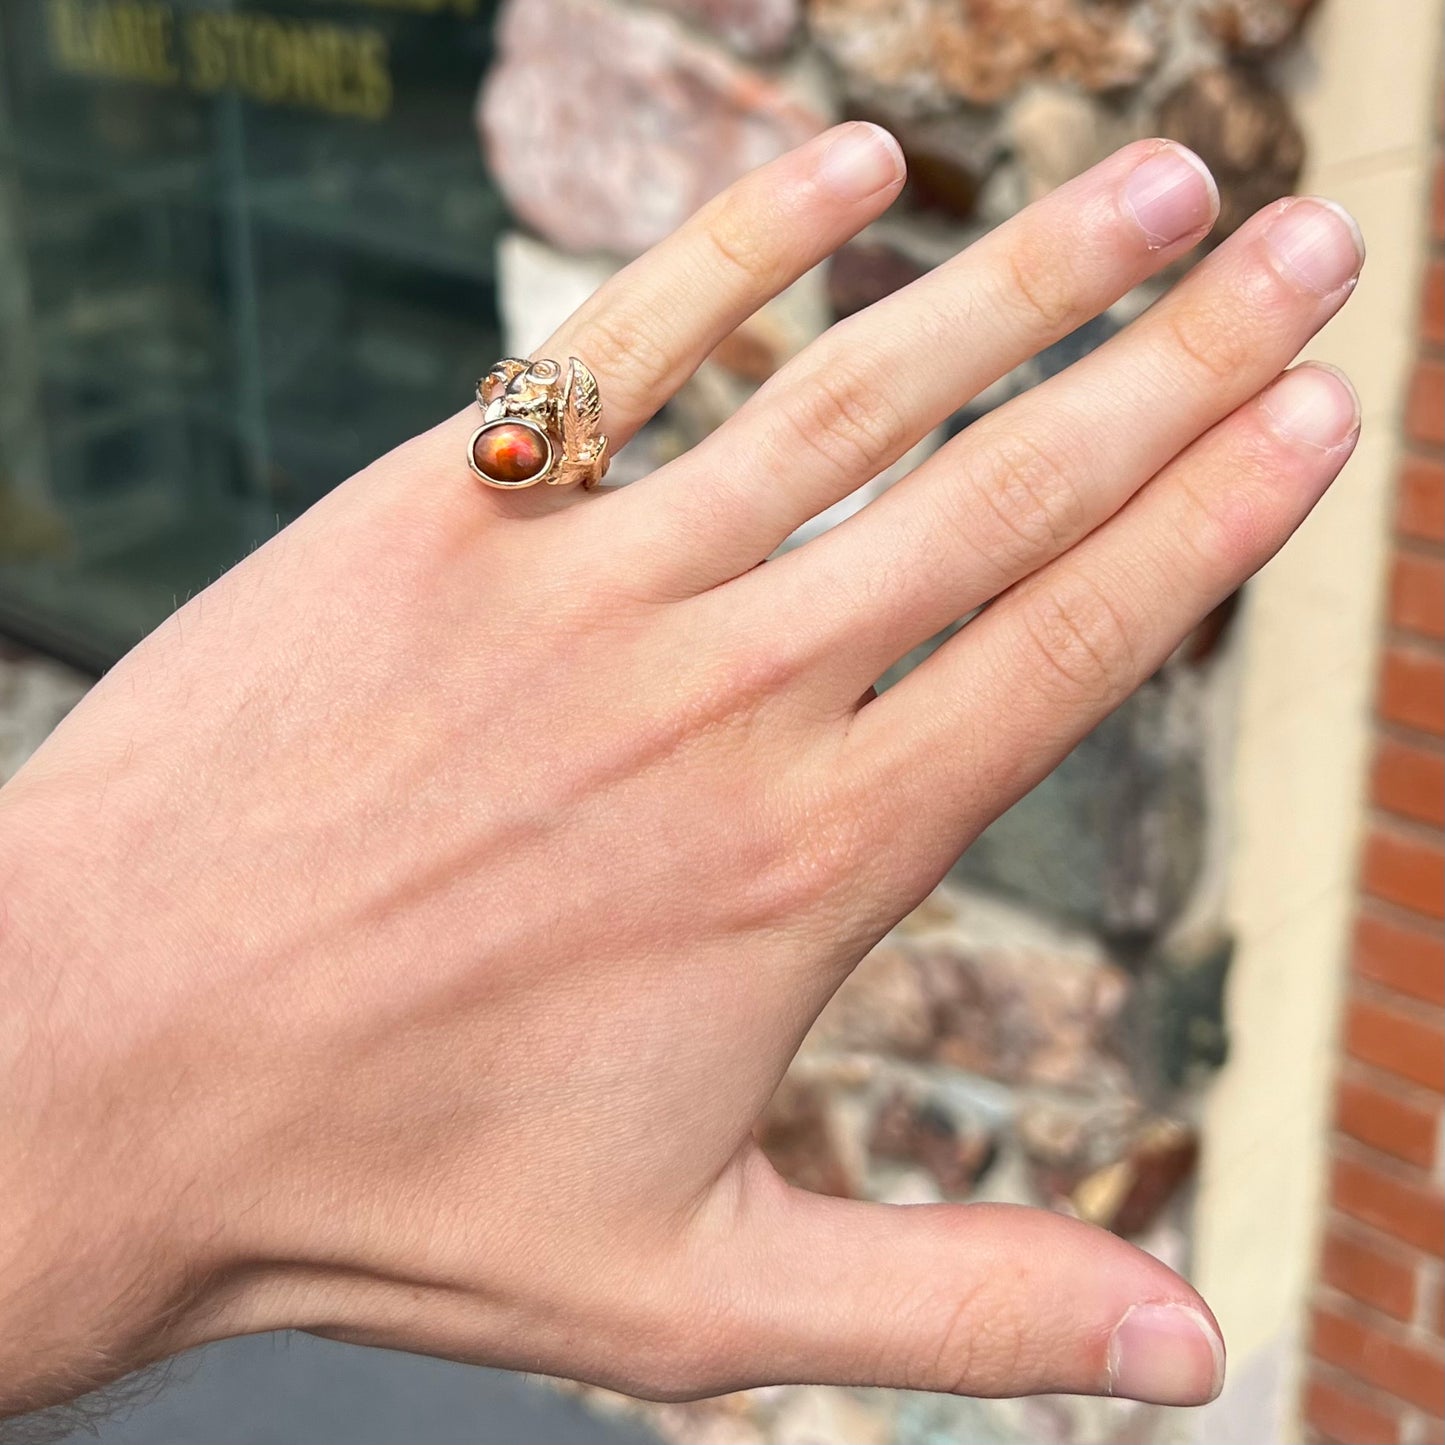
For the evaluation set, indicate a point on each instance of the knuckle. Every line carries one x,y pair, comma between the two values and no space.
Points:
848,420
675,1370
1225,524
738,243
1029,498
623,343
1045,290
802,857
1082,640
1208,341
1225,334
976,1344
665,1362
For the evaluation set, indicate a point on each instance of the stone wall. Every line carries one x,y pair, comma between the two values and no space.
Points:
1043,1028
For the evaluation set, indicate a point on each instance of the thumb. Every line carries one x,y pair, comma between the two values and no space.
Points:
973,1299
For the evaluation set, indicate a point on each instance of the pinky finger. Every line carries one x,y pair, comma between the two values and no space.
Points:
1061,650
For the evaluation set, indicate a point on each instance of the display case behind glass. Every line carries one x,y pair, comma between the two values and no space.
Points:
244,248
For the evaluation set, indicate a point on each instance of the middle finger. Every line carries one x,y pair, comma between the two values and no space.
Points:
868,389
1034,477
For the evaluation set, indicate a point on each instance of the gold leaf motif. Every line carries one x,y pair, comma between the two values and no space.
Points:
566,404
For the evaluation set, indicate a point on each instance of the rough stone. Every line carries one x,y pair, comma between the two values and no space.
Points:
922,1133
885,1006
539,287
1022,1017
777,331
863,272
747,354
657,122
1249,27
922,56
1175,1021
821,1416
1128,1195
950,156
1114,837
758,28
1065,1139
988,990
1244,131
797,1137
1057,134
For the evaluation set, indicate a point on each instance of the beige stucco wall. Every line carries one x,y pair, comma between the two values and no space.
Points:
1366,83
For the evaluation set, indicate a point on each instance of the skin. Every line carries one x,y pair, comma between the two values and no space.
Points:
401,942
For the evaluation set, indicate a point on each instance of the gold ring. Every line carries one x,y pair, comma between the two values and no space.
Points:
540,423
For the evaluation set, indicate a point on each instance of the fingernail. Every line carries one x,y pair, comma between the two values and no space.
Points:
1171,195
860,161
1313,404
1165,1355
1318,244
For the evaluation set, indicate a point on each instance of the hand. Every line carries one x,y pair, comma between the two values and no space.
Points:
408,934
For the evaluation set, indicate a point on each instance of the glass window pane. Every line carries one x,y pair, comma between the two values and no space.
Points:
243,249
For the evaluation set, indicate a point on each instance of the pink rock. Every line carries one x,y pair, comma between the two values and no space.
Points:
992,993
884,1007
606,126
922,55
1024,1017
1250,26
797,1136
752,27
862,272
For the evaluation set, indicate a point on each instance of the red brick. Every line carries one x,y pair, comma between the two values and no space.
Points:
1387,1120
1368,1273
1405,870
1407,1211
1409,780
1432,304
1398,1042
1342,1414
1377,1356
1417,594
1412,689
1432,1290
1401,956
1425,406
1421,510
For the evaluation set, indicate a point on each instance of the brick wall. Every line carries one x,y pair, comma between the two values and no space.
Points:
1375,1373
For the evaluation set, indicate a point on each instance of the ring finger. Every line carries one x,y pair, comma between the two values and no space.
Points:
1031,479
649,327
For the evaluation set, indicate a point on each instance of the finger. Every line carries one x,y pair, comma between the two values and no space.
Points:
975,1299
1029,480
1061,650
865,392
649,327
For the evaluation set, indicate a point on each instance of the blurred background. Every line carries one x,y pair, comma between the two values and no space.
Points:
1190,988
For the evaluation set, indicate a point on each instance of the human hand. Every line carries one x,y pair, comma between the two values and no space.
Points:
408,934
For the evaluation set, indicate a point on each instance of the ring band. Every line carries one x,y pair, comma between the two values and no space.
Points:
540,423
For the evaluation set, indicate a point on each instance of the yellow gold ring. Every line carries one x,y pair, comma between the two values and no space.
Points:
540,423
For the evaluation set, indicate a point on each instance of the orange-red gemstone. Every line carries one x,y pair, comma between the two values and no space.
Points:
509,452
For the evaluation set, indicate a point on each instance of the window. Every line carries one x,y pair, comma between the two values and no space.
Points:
244,248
